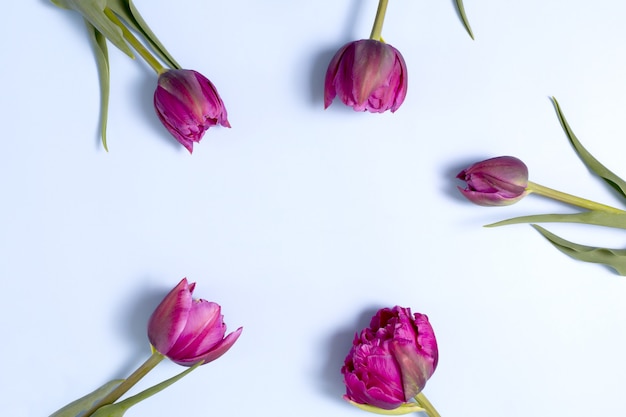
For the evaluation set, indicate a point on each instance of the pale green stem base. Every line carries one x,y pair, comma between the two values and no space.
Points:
426,405
134,42
570,199
377,29
128,383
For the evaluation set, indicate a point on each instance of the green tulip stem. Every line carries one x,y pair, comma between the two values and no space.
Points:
570,199
134,42
128,383
426,405
377,29
119,408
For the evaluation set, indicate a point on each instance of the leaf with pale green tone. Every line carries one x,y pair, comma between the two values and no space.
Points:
405,408
461,8
99,45
76,408
591,162
593,217
614,258
129,13
118,409
93,11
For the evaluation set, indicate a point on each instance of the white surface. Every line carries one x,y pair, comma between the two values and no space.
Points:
301,222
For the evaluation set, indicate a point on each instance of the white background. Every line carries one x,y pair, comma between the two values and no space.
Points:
302,222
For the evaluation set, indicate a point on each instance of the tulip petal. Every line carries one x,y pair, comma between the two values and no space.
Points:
217,351
203,330
169,319
331,73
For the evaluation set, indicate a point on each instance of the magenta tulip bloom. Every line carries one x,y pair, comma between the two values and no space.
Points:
187,330
187,104
391,360
495,182
367,75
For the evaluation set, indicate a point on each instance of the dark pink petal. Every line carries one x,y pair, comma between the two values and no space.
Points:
204,330
169,318
217,351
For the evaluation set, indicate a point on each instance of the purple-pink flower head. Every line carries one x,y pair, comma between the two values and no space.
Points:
391,360
367,75
187,104
495,182
188,330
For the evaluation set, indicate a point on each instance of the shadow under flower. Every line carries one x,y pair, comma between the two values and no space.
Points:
323,57
337,347
133,315
450,182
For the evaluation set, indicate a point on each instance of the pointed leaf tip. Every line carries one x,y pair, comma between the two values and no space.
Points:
613,258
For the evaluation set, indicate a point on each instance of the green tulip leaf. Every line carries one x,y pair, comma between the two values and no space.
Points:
406,408
93,11
118,409
76,408
99,45
593,217
461,9
591,162
129,13
614,258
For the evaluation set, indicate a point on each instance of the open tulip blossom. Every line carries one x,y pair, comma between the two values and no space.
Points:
190,332
504,180
186,102
390,362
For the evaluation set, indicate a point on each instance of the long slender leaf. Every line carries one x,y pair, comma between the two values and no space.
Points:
591,162
461,9
93,11
593,217
78,407
118,409
98,42
614,258
129,13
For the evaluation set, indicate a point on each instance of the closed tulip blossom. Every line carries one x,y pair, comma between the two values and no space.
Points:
188,330
391,360
188,104
495,182
368,75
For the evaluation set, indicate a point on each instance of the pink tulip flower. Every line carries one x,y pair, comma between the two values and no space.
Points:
495,182
187,104
391,360
188,330
367,75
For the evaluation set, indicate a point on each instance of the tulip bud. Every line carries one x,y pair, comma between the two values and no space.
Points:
187,104
367,75
391,360
495,182
188,330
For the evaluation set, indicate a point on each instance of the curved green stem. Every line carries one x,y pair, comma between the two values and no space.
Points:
377,29
128,383
134,42
427,405
118,409
570,199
